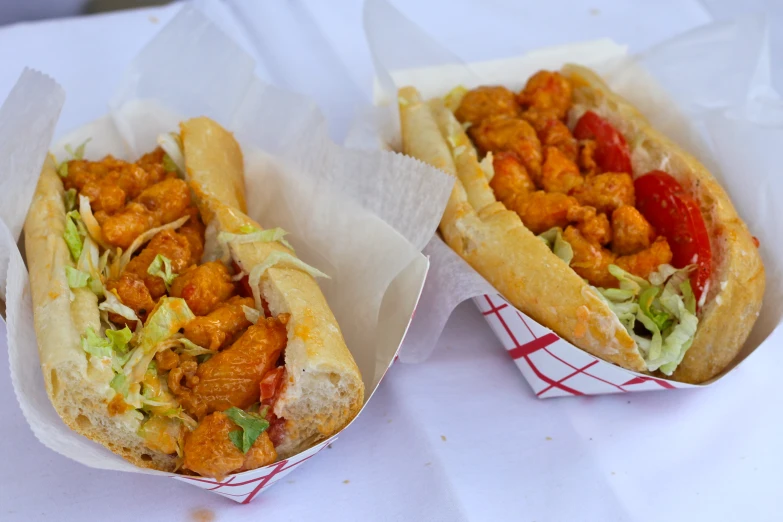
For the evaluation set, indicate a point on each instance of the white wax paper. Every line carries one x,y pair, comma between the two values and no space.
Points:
331,200
707,89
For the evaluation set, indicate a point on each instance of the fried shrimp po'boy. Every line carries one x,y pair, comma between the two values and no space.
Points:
591,222
172,328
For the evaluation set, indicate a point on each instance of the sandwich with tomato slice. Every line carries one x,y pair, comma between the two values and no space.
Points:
591,222
172,328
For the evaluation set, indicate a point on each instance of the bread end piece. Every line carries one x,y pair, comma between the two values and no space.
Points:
79,392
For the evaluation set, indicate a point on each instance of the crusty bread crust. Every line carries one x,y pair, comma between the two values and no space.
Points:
78,391
736,286
496,244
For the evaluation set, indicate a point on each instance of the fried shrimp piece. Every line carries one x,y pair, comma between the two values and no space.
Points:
193,231
220,326
510,179
559,174
632,232
167,201
555,133
233,376
110,174
122,228
133,293
606,191
539,118
166,360
209,451
104,196
483,102
547,90
587,163
173,246
590,260
594,227
505,133
540,211
204,287
152,163
647,261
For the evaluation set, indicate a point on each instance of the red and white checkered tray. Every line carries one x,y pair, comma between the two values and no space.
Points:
554,367
243,487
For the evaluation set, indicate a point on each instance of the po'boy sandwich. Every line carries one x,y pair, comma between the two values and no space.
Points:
172,328
591,222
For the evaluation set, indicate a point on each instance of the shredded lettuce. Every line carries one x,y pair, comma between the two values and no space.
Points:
96,345
69,198
169,315
120,384
113,347
251,314
62,169
273,259
90,223
191,348
79,152
161,267
89,263
664,305
454,97
252,424
76,278
169,164
251,234
113,304
72,234
171,143
559,246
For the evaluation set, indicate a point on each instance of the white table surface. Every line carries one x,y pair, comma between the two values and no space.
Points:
460,437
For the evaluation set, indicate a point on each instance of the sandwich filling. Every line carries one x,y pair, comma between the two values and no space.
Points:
188,347
637,238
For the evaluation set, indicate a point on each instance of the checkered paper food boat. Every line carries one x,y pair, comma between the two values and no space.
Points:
244,487
554,367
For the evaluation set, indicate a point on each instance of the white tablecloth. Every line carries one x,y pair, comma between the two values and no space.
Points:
460,437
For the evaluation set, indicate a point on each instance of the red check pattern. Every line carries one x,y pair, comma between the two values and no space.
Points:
243,487
554,367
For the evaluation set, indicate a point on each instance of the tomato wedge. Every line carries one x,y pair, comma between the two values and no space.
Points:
270,384
676,216
611,153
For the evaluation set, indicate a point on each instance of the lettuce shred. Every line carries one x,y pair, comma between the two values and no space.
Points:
559,246
659,313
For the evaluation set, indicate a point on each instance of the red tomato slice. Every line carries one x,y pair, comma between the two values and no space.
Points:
611,153
676,216
270,384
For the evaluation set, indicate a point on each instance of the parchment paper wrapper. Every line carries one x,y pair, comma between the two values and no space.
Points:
333,202
707,89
